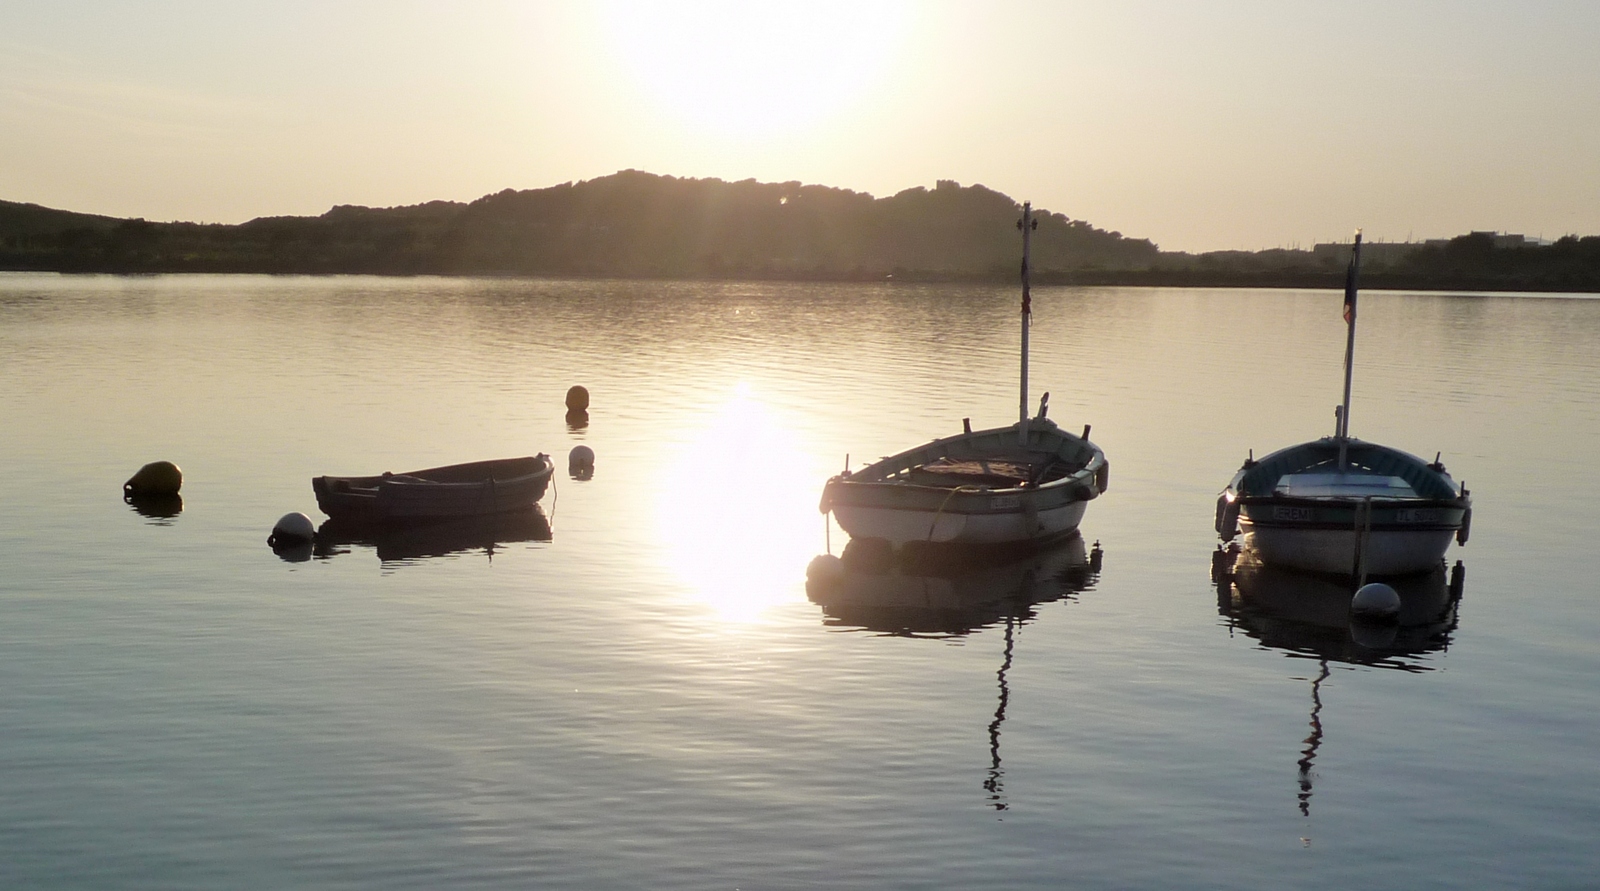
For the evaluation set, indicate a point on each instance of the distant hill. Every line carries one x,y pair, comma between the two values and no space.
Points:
30,220
635,224
628,224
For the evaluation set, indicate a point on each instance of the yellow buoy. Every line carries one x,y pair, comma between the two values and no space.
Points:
156,478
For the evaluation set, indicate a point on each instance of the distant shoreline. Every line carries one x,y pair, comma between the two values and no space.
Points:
1128,279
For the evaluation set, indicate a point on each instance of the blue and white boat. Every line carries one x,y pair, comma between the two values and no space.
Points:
1340,505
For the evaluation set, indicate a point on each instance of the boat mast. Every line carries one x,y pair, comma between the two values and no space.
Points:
1027,224
1349,348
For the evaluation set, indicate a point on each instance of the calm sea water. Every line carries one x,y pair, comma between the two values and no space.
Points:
651,699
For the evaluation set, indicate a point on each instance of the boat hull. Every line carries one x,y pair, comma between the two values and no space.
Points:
478,489
1386,551
1006,526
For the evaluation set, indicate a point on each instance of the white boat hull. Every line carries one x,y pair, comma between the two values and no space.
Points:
898,526
1312,506
1388,552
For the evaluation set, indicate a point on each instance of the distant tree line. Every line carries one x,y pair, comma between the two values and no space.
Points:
635,224
1466,262
627,224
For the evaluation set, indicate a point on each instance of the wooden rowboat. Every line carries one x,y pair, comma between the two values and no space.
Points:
1346,507
1342,506
1024,484
477,489
1009,487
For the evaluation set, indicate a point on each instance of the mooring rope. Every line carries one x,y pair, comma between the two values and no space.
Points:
946,501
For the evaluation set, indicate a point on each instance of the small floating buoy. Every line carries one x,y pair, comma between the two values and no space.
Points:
155,478
577,399
291,530
824,569
580,462
1375,601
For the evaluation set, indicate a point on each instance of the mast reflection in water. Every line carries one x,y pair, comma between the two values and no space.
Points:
1308,617
939,593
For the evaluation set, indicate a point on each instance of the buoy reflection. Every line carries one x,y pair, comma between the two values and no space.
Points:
738,513
159,508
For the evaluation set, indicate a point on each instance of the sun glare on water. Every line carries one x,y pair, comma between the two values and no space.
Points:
754,69
738,515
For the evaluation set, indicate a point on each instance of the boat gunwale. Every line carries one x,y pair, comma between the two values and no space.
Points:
1261,476
917,456
1352,501
543,464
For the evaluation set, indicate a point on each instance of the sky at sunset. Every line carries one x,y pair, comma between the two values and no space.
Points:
1200,125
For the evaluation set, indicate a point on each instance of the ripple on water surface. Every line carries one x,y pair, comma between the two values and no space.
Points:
643,691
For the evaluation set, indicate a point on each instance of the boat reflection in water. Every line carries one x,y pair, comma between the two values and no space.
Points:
1308,617
939,593
413,541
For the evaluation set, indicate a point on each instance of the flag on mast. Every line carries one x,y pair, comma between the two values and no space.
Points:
1350,281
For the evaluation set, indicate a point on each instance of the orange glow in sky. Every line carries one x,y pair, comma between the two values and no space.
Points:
1228,124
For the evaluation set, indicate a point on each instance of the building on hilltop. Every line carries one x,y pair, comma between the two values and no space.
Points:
1499,240
1390,253
1373,253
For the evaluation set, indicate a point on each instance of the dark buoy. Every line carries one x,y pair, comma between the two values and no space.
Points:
155,478
577,400
580,462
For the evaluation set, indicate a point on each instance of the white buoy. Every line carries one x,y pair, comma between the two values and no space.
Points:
580,460
292,529
825,568
1375,601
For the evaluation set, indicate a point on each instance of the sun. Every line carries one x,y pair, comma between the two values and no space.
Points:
737,515
754,69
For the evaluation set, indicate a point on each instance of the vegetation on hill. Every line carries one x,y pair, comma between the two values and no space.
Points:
639,224
1466,262
627,224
